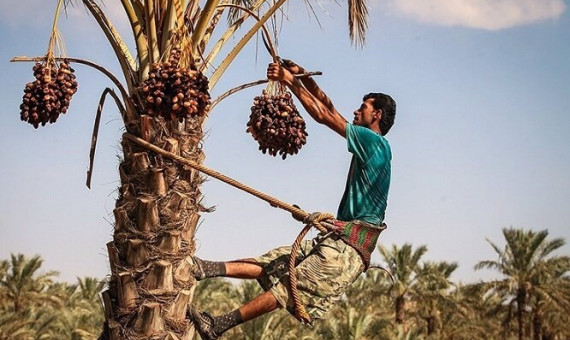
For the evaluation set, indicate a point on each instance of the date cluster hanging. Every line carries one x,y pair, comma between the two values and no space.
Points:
174,92
49,95
276,125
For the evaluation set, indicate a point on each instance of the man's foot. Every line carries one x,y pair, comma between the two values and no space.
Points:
198,273
204,269
203,323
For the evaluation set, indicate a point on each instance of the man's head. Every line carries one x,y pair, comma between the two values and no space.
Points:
377,111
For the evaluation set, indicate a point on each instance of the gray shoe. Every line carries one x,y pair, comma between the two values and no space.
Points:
203,323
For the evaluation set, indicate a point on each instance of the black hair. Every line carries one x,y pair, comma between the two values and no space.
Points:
385,103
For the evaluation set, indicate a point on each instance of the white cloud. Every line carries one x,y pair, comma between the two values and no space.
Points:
482,14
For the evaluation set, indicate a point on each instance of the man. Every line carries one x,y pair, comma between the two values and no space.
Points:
330,263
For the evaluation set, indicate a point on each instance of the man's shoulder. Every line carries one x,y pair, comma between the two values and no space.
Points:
365,133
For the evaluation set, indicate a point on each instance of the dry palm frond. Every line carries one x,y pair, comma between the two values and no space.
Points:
121,50
357,21
235,14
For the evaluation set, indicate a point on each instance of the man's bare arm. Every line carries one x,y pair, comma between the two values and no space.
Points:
317,109
310,84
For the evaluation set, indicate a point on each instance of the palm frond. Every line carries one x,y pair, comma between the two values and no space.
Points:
357,21
121,50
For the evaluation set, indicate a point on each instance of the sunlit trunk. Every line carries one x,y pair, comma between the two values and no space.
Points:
156,215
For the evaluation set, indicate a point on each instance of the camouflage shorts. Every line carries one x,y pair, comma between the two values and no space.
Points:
328,266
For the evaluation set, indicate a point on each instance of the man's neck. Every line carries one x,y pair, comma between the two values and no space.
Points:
375,128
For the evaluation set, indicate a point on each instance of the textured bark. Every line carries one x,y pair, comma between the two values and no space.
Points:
156,215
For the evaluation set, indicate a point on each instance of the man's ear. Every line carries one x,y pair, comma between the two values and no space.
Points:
379,114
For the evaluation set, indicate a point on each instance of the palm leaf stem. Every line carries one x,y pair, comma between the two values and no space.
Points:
151,33
226,36
168,26
255,83
94,136
203,23
136,19
124,57
241,44
54,28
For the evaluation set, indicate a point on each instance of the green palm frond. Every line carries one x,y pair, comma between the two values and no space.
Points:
241,44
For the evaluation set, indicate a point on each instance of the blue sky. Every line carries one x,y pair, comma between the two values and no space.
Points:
480,142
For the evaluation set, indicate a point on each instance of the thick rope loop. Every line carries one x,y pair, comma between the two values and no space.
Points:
313,220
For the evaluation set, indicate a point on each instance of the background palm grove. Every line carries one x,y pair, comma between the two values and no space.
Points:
170,57
530,300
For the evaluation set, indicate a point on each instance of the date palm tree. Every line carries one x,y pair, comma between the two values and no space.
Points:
468,314
23,285
434,293
29,299
159,201
404,263
531,274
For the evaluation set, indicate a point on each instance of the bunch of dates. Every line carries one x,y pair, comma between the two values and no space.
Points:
276,125
175,92
50,94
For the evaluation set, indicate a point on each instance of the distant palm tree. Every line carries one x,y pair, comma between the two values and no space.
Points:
345,321
404,263
4,266
23,285
434,292
14,326
550,299
470,315
530,272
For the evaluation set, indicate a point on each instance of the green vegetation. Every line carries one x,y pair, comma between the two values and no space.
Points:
33,306
529,300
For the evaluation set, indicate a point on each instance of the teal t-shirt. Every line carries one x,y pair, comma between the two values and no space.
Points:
366,193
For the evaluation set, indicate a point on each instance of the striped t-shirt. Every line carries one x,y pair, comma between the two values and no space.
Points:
366,193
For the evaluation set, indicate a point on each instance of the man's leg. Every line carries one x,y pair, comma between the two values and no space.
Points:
243,270
246,269
210,328
262,304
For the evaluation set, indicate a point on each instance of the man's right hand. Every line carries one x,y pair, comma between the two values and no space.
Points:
279,73
292,67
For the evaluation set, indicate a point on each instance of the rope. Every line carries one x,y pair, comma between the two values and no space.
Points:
271,200
313,221
316,220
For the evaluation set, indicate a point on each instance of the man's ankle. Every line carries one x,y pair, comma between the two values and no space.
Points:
211,328
205,269
227,321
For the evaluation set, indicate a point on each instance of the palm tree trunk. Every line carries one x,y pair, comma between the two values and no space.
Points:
431,325
400,309
521,305
156,215
536,326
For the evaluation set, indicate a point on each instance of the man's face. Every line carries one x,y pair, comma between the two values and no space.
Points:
366,114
